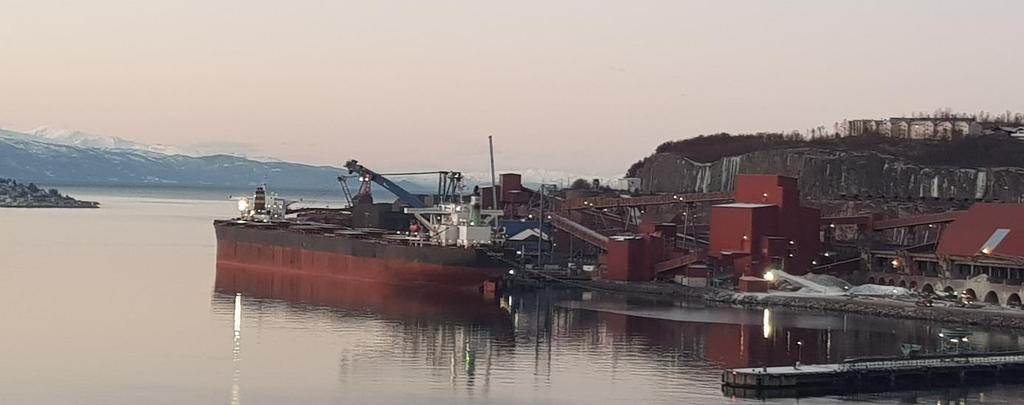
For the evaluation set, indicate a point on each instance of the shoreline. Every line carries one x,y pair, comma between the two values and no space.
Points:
1001,318
78,204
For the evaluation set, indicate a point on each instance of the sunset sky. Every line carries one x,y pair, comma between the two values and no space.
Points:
580,86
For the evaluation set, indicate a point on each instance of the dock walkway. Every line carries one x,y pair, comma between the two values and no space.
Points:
874,374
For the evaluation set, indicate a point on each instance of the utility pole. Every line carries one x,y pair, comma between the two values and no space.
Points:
540,229
494,183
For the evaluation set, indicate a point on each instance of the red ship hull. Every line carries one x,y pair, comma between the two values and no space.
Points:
288,251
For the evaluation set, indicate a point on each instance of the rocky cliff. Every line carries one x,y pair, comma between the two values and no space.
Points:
829,174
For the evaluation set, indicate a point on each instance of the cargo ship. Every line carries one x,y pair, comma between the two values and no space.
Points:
452,244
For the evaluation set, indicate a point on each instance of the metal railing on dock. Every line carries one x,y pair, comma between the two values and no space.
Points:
874,374
921,363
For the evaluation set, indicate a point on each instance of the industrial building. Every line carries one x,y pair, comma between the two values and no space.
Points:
763,225
979,252
766,228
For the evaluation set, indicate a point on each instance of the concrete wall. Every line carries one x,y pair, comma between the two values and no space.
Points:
1004,294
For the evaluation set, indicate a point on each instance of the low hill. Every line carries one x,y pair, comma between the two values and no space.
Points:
21,195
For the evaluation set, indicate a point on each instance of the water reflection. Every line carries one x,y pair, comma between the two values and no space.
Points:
406,344
387,301
463,333
236,353
733,337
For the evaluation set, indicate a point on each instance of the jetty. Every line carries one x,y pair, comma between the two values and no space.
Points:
874,374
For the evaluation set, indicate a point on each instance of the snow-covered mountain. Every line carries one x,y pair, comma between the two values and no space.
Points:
59,156
72,137
56,158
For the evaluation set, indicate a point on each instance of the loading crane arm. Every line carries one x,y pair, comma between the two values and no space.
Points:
367,175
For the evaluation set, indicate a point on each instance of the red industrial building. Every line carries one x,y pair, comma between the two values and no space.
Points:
764,228
640,258
512,196
985,231
980,253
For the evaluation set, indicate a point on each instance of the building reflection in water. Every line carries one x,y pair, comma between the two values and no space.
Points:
466,341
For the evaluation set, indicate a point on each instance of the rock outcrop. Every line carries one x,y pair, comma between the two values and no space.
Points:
834,174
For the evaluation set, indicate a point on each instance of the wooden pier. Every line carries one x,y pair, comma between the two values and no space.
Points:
874,374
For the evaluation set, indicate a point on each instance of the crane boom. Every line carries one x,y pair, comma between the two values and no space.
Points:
366,175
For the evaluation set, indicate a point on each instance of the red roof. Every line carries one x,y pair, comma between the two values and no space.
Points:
969,233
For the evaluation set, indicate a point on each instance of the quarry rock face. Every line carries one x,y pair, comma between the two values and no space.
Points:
832,174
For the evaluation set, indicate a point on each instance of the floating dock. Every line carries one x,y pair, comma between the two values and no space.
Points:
874,374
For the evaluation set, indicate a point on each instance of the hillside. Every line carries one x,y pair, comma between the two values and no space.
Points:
989,167
21,195
981,151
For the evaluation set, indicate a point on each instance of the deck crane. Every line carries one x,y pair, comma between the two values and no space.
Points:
450,221
449,184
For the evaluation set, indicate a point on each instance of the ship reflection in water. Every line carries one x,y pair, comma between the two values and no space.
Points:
398,343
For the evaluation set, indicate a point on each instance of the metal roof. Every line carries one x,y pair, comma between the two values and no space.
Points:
985,229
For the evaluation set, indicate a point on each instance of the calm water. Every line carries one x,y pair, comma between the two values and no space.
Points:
125,305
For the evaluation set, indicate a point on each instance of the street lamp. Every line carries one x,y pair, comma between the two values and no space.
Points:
799,351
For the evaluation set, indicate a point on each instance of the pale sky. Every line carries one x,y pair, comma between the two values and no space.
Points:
579,86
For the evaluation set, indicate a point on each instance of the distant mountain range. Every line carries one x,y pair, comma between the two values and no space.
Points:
65,157
78,159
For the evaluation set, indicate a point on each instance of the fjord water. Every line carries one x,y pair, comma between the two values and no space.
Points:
124,304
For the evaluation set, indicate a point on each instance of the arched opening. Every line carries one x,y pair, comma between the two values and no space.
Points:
971,295
903,283
1013,301
928,289
992,298
871,280
948,290
913,285
892,281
